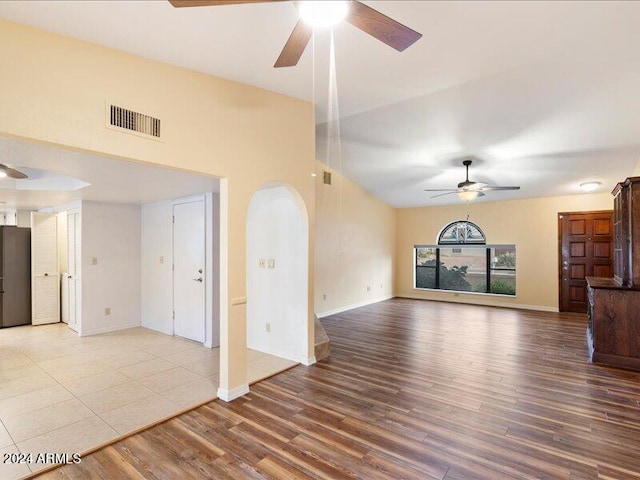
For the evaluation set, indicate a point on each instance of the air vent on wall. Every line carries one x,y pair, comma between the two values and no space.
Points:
134,121
326,177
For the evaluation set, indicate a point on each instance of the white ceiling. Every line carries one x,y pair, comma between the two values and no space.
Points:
543,94
110,180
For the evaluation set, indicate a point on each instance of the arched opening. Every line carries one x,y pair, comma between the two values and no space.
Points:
277,273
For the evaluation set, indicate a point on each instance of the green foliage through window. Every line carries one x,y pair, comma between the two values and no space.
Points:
469,268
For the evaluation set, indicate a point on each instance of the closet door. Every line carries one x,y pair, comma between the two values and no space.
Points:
45,283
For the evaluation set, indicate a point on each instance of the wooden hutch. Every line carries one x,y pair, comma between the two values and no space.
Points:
613,331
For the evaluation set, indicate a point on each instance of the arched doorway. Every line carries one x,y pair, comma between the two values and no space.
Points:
277,273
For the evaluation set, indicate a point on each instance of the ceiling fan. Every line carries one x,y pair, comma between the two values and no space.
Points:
469,190
325,13
11,173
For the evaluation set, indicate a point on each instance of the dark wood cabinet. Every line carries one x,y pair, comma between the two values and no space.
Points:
613,331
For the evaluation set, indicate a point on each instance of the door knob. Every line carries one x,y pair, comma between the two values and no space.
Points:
46,274
199,279
200,270
69,276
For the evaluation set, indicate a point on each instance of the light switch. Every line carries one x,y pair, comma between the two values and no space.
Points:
262,263
271,263
94,260
161,259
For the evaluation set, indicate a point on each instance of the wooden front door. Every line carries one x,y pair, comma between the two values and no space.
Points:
586,250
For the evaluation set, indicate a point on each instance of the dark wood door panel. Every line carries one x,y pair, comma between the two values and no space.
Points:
585,244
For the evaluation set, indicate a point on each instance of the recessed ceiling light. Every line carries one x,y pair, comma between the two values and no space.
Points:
589,186
323,13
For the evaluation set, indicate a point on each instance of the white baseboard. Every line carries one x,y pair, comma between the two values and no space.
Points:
286,356
309,361
230,395
483,303
113,328
353,305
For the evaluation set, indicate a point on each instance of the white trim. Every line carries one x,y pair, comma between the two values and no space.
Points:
230,395
309,361
275,353
488,303
352,306
96,331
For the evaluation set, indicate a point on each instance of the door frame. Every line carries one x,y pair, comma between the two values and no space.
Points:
560,218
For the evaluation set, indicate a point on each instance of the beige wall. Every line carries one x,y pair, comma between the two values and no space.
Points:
55,89
532,225
355,245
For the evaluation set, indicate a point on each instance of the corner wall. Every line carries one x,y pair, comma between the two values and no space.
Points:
111,234
531,224
355,245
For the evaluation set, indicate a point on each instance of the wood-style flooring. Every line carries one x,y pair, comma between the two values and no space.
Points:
415,390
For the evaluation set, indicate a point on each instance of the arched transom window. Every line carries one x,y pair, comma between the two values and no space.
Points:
462,232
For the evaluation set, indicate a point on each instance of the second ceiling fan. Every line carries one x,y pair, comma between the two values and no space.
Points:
469,190
326,12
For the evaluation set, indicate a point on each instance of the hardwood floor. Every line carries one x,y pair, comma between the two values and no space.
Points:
416,390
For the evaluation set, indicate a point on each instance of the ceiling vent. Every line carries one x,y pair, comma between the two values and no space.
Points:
134,122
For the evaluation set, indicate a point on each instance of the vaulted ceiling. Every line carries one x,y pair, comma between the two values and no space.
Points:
541,94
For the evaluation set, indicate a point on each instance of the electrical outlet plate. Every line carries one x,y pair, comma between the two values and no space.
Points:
262,263
271,263
267,327
94,260
107,311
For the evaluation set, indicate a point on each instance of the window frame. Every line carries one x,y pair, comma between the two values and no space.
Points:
489,269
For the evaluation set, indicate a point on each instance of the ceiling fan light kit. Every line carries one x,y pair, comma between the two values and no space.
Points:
468,195
323,14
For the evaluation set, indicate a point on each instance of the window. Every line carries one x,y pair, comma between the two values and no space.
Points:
469,266
472,268
461,231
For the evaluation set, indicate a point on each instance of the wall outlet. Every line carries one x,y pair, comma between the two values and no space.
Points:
267,326
94,260
368,288
271,263
262,263
324,296
107,311
161,259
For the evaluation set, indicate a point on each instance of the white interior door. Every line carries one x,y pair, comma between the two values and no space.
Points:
73,272
188,270
45,283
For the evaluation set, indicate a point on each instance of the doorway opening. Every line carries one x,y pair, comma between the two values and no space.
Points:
277,273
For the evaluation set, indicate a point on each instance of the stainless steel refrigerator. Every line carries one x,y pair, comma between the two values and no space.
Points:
15,276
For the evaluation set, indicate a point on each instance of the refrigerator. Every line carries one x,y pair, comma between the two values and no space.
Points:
15,276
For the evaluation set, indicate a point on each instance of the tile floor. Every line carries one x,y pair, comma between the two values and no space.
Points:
62,393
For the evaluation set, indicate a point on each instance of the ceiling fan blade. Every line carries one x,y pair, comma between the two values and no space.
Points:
440,190
209,3
295,46
11,173
496,187
381,27
443,194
